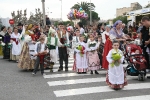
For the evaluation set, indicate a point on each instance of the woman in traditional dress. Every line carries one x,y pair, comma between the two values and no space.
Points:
16,46
2,34
92,55
106,32
115,33
81,59
7,43
27,61
115,77
52,42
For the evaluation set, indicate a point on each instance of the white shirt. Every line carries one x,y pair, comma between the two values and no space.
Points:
67,36
42,47
82,31
103,36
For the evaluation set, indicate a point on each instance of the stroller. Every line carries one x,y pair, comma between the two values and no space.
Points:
136,62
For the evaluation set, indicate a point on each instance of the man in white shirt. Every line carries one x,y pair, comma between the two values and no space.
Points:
63,36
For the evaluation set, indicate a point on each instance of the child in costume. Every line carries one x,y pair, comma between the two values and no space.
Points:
100,49
116,76
92,55
40,51
52,42
80,56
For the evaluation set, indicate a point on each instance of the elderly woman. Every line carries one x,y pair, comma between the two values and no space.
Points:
115,33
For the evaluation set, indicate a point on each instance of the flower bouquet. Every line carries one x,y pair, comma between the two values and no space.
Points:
81,48
116,56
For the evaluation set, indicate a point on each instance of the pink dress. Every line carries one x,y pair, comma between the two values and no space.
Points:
93,58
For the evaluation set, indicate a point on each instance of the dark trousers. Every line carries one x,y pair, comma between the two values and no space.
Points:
100,58
36,66
146,57
63,56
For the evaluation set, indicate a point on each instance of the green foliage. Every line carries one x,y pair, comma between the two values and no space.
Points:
56,23
85,6
64,22
68,22
122,18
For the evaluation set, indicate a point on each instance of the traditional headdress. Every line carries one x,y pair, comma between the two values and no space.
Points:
117,22
28,28
52,31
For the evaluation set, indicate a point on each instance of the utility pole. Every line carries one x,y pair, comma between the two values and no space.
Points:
43,7
90,13
61,10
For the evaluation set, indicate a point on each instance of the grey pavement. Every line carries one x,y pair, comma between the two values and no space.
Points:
16,84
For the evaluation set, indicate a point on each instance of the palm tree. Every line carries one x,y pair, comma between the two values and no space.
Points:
84,5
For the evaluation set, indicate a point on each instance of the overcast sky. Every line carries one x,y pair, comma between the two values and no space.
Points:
105,8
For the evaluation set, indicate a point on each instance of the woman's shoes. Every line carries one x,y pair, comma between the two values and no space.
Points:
96,72
91,72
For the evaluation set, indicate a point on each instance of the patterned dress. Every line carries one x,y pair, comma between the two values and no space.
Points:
92,55
26,60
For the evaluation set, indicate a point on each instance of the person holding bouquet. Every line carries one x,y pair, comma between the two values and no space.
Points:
80,56
93,58
40,51
115,78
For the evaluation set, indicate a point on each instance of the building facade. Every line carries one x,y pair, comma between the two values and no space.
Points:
124,10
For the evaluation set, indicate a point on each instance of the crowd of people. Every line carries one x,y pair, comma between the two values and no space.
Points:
32,46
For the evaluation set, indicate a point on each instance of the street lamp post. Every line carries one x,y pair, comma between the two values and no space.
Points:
43,7
61,10
90,13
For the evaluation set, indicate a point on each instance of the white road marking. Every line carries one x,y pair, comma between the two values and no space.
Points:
143,97
80,91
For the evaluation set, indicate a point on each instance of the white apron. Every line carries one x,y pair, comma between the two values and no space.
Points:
16,48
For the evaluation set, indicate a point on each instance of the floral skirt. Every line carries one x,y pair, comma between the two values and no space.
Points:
116,86
93,60
25,62
47,61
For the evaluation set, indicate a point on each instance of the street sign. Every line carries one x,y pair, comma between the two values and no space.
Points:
11,21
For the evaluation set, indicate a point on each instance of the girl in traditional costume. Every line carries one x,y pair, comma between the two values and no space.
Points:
75,40
27,61
115,77
16,46
52,42
93,59
81,56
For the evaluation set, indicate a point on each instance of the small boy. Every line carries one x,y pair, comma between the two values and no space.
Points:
100,49
40,51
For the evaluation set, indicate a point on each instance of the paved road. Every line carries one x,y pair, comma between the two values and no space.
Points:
16,84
